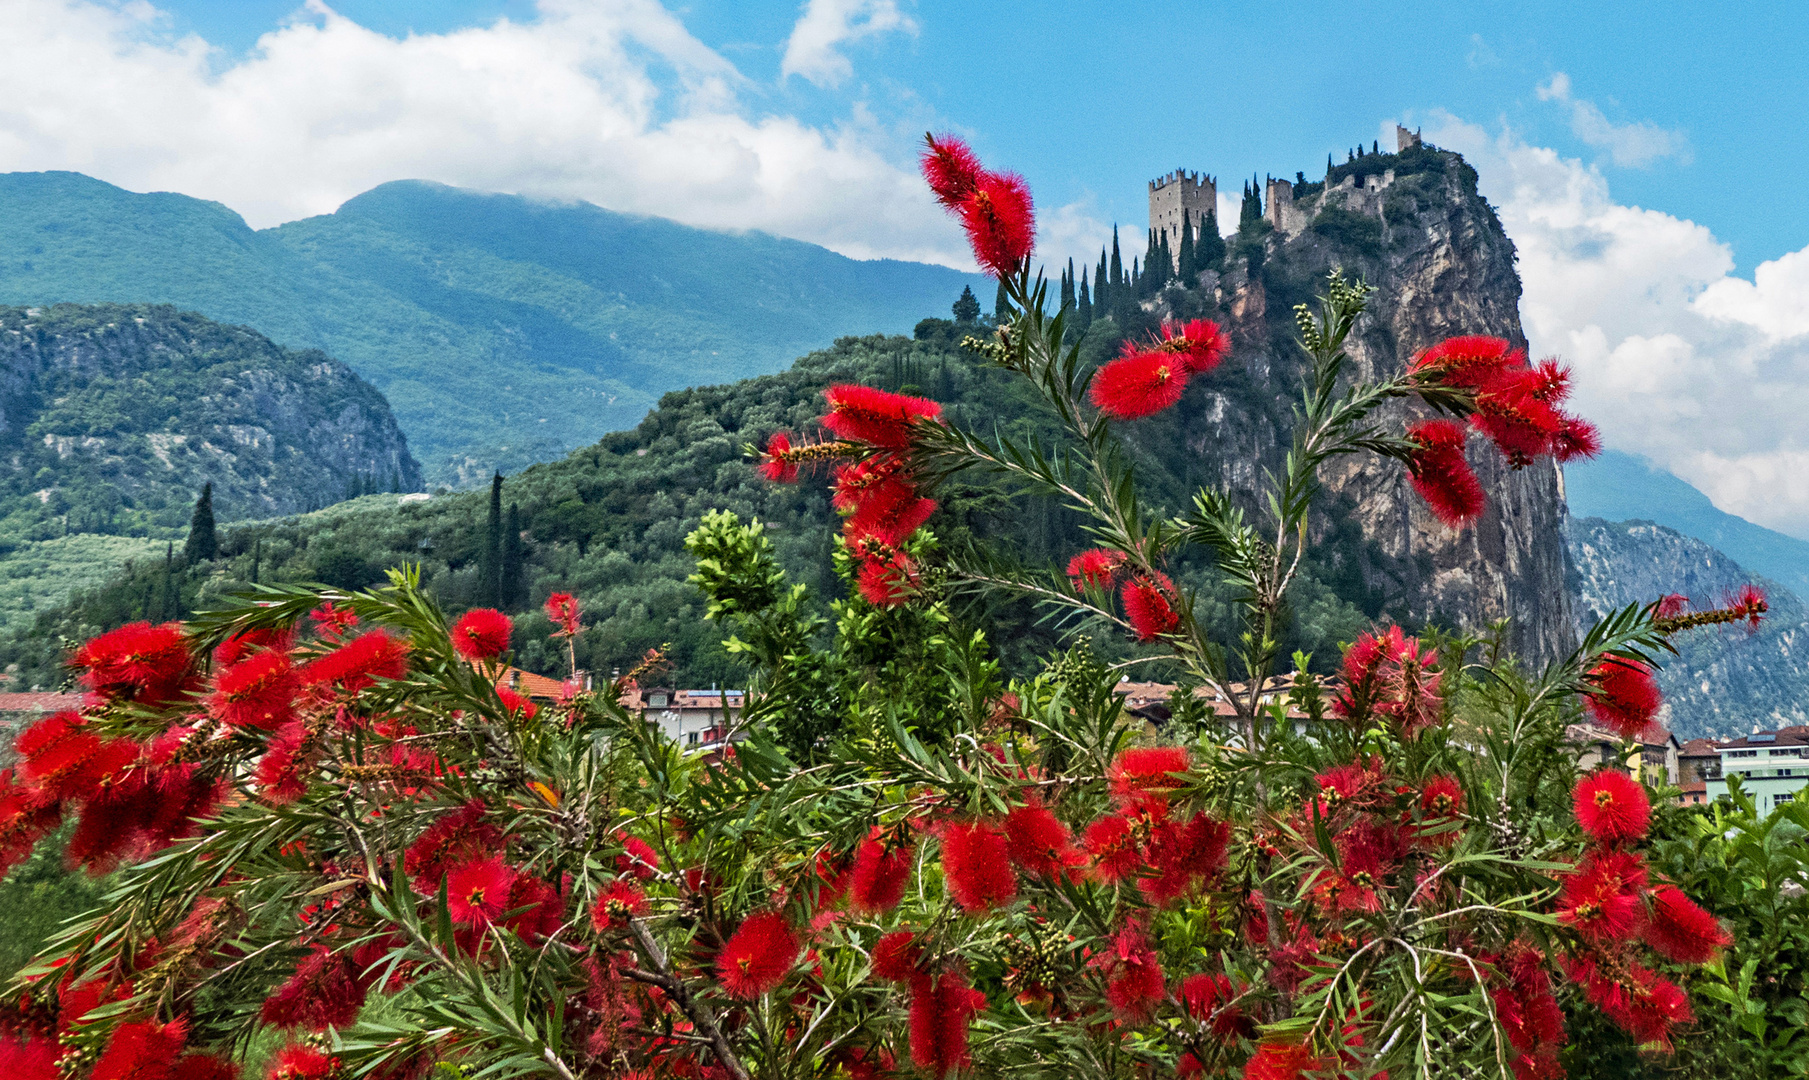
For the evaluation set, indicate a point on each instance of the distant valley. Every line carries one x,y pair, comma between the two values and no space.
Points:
504,331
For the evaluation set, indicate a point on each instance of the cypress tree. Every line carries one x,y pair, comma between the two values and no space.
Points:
1187,270
967,307
1001,304
1375,146
257,556
1068,286
203,542
166,604
514,573
1101,293
1117,278
1251,211
489,588
1210,251
1083,307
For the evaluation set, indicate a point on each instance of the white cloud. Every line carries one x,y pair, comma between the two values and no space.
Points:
1676,358
1636,144
612,102
814,48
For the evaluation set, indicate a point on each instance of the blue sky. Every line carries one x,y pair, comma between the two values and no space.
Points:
1088,99
1647,159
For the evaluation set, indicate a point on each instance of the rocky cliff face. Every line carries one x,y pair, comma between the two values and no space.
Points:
112,417
1413,226
1722,682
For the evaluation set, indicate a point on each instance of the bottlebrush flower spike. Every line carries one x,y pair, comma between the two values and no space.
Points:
758,956
1441,475
1627,696
1000,222
332,622
637,858
1039,843
888,513
1681,931
1467,361
853,481
1141,771
1094,567
299,1062
1134,979
941,1006
1576,438
244,644
30,1057
976,863
322,993
1441,800
141,1049
1207,998
137,662
257,692
1147,606
616,905
460,836
1138,384
1611,807
1114,848
1601,898
26,816
775,463
1199,343
358,663
63,756
562,611
887,580
882,867
517,704
1280,1061
876,417
1750,603
1670,606
951,169
896,955
481,633
477,893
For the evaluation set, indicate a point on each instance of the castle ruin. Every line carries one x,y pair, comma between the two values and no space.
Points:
1178,193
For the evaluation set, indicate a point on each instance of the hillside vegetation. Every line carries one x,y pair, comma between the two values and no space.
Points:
504,330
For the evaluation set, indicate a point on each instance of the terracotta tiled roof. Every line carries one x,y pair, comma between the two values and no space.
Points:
635,697
39,702
1695,787
1790,736
535,687
1701,748
1144,695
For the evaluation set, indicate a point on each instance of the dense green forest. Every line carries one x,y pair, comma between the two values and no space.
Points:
503,330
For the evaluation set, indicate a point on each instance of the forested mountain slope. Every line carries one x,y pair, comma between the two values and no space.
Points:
504,330
1723,682
113,417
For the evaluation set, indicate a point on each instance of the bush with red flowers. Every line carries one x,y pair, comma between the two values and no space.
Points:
905,860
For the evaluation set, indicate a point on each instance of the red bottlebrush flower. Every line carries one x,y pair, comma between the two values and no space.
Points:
950,168
299,1062
976,863
1680,930
1627,696
889,512
895,956
359,662
1138,384
1134,979
1094,567
26,816
758,956
1113,847
1750,603
562,610
775,464
1000,222
63,756
1510,411
1199,343
242,645
517,704
203,1067
887,581
30,1057
868,415
1612,807
1541,1065
1207,998
853,481
477,893
1182,855
539,909
616,905
1280,1061
332,622
1442,476
1142,771
482,633
1441,800
1575,438
324,992
941,1006
1467,361
1039,843
637,858
463,835
1601,898
1653,1006
138,662
141,1050
1670,606
881,871
1147,606
257,692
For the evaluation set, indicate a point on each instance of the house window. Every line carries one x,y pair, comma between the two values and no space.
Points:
1786,772
692,738
1741,753
657,701
1778,800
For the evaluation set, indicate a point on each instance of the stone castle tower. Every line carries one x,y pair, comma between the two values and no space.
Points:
1180,191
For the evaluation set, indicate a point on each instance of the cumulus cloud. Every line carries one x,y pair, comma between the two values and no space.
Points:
1676,358
1637,144
612,102
814,49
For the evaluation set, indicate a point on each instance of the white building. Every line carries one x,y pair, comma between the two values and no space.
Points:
1773,766
695,719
